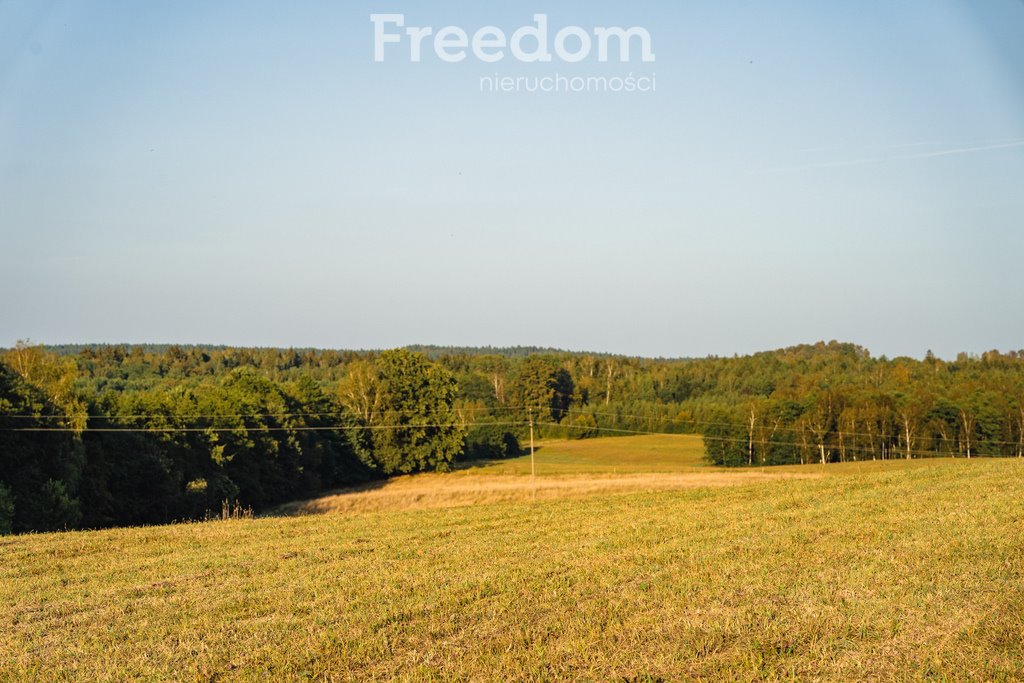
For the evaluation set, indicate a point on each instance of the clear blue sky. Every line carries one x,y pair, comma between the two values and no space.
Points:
244,173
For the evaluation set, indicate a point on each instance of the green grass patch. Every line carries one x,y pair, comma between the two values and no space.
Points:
626,454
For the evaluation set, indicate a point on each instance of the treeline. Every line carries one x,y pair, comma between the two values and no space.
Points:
828,402
867,409
156,433
78,450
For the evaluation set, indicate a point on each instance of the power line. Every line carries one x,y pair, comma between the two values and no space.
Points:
336,413
519,423
169,430
898,432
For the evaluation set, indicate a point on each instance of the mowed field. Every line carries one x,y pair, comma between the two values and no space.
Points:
874,571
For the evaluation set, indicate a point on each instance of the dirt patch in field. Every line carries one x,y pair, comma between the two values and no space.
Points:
440,490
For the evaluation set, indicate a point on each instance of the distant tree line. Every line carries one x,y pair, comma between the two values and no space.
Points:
94,436
875,410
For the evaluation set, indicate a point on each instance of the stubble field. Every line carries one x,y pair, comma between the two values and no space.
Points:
632,561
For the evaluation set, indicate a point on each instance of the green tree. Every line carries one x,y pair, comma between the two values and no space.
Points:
419,429
542,385
40,469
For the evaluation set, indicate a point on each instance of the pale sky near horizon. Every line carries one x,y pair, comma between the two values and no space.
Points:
244,173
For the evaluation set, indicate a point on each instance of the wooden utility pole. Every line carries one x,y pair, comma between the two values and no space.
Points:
533,465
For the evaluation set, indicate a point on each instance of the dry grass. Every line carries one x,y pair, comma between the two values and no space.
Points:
564,469
436,491
882,572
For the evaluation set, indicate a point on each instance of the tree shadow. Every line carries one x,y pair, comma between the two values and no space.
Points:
294,508
475,463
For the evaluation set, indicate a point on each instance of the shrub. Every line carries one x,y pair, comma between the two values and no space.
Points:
584,426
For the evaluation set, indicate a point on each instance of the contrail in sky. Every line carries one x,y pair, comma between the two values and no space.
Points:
901,157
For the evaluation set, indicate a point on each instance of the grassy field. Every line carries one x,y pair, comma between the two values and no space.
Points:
880,571
646,454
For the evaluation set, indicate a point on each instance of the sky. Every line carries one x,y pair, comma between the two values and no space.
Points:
245,173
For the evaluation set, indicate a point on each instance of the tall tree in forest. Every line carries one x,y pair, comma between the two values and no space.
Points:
419,428
495,368
40,471
542,385
359,391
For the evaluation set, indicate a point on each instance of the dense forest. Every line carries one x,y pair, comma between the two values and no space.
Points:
104,435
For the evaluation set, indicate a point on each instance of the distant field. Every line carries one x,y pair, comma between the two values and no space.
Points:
878,571
650,453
